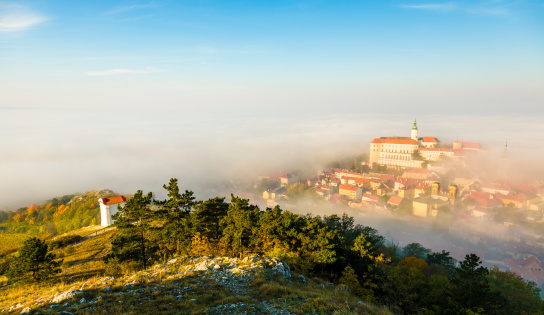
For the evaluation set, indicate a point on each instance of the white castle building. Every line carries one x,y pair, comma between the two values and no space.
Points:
399,151
108,207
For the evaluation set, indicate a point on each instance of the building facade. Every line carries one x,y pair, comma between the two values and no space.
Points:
108,207
413,151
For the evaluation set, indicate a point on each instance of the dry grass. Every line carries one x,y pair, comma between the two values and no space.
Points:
10,242
314,297
84,231
192,294
81,262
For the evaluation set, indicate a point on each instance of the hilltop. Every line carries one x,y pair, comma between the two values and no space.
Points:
197,285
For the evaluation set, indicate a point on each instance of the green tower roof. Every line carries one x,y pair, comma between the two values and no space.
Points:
415,125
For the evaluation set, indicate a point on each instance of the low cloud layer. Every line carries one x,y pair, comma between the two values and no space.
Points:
49,153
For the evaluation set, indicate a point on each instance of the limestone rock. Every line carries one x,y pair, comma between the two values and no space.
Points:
65,296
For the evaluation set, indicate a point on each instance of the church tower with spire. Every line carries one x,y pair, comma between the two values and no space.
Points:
505,163
414,131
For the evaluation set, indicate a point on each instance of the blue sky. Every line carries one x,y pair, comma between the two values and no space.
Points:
126,94
304,54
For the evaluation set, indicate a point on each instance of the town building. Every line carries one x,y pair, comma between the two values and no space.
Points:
530,268
428,206
352,192
288,179
369,198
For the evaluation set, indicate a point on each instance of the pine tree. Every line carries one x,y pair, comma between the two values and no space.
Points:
134,221
238,225
442,259
33,263
470,285
349,278
207,216
175,235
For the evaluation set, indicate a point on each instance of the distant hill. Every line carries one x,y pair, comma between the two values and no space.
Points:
58,215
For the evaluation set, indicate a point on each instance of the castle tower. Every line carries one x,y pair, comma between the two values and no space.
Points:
435,189
505,163
452,195
414,131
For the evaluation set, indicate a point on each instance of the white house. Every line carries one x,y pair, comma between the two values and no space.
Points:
108,207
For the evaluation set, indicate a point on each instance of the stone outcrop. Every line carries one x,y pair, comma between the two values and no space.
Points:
232,273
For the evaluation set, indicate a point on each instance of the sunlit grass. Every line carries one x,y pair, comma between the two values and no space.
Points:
81,262
10,242
153,292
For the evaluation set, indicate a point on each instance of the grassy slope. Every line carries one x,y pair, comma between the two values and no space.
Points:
81,261
10,242
83,266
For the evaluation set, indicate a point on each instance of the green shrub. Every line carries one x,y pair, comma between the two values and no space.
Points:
113,268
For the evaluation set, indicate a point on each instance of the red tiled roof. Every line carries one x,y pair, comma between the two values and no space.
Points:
370,197
435,149
530,260
521,267
471,145
407,182
488,203
394,141
460,152
422,185
336,197
523,187
429,139
483,195
419,170
349,187
495,186
112,200
411,183
354,174
519,197
395,200
387,177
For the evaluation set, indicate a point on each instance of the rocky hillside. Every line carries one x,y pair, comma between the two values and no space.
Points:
203,285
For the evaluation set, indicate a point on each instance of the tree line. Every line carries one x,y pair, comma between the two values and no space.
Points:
410,280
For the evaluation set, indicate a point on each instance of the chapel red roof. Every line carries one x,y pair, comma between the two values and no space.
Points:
113,200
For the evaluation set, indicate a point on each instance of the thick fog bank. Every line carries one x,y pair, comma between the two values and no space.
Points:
50,153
